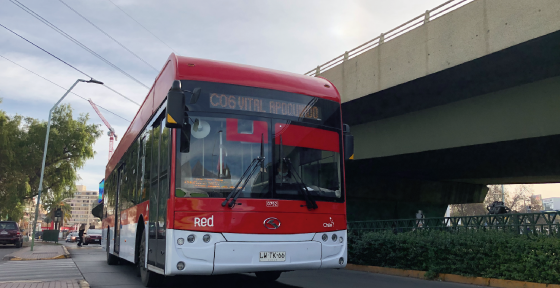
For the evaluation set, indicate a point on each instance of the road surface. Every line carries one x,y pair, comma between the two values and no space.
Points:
6,249
90,260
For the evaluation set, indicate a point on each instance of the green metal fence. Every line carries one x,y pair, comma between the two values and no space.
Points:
547,223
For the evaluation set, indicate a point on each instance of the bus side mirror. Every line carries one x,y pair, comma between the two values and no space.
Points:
348,142
175,106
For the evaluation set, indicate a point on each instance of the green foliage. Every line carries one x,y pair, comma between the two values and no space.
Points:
491,254
22,142
52,201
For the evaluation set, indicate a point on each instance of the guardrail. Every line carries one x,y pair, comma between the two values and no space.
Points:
391,34
546,223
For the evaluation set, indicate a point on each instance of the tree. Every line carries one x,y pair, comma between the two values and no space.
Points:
536,203
517,197
21,152
13,183
469,209
54,201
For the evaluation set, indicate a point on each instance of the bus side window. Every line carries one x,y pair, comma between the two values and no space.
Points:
136,171
130,175
141,169
153,178
106,197
123,189
111,193
146,165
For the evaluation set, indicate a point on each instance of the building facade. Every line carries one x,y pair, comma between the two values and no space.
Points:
552,203
81,204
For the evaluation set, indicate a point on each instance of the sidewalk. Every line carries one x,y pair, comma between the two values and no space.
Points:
41,251
49,284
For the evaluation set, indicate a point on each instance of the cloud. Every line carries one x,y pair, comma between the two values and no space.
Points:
288,35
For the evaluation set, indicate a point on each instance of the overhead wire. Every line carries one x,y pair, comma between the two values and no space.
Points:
36,74
67,63
106,34
83,73
72,39
141,25
122,95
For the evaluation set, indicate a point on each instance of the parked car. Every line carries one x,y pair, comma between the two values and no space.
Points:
10,233
93,236
72,237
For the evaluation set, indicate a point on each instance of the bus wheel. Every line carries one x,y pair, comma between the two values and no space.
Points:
268,276
112,259
149,278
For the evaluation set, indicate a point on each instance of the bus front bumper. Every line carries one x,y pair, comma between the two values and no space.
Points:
238,254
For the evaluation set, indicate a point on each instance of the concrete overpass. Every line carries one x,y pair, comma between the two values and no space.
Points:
442,107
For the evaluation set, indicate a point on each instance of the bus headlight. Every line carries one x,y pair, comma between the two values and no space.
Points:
340,239
180,241
191,238
325,237
334,237
206,238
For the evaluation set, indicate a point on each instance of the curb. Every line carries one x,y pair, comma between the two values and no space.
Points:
490,282
66,253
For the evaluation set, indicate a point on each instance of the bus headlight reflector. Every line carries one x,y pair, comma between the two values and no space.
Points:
325,237
191,238
181,265
180,241
340,239
341,260
206,238
334,237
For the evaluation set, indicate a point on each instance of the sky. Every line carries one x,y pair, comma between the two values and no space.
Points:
288,35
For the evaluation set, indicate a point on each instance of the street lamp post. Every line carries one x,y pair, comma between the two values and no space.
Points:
45,154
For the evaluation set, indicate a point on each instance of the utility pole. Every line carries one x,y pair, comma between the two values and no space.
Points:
45,154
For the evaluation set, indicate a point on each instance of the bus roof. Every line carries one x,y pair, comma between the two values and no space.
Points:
187,68
245,75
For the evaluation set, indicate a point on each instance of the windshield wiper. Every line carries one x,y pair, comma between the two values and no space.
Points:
259,161
311,204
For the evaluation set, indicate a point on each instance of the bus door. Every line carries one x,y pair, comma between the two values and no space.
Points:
163,193
159,193
117,211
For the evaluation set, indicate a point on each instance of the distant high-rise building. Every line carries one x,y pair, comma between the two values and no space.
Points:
552,203
81,204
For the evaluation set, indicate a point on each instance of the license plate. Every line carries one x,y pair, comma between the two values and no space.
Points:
4,232
272,256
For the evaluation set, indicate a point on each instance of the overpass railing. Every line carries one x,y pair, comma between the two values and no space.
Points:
391,34
545,223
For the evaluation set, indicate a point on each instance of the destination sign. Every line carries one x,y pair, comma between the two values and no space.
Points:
209,183
264,105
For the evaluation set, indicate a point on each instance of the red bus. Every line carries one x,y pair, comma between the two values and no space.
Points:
229,168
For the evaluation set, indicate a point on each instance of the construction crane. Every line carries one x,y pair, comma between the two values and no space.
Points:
110,133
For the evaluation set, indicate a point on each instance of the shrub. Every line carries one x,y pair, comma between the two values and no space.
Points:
491,254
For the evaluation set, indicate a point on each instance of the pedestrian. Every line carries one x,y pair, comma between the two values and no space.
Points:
419,219
81,235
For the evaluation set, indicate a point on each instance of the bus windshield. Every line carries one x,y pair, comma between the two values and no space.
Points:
222,149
